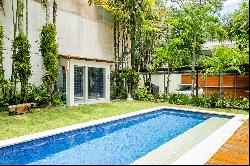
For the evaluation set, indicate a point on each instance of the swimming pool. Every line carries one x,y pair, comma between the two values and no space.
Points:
121,141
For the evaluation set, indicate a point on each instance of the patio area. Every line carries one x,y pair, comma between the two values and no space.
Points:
235,151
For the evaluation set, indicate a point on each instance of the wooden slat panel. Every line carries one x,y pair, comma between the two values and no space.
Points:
213,81
202,80
228,80
235,151
243,80
186,79
242,92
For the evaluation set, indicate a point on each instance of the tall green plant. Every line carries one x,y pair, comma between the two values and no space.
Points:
131,79
225,59
2,80
237,25
196,21
49,52
22,66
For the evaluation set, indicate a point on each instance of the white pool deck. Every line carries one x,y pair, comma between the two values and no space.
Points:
194,147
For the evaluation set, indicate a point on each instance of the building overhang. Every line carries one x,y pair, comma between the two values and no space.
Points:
85,58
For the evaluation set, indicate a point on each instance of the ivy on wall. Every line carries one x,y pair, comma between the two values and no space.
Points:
22,66
49,52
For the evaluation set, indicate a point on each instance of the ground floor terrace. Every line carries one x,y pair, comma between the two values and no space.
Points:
52,120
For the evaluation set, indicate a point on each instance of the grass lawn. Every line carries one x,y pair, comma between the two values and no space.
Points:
45,119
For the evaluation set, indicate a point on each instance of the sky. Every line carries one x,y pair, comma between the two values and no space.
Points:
230,5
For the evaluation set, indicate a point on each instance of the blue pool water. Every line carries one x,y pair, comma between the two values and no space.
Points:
118,142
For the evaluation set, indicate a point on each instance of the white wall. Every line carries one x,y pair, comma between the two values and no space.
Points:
158,80
82,30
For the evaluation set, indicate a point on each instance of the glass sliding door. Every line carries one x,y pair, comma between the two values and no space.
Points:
96,83
79,77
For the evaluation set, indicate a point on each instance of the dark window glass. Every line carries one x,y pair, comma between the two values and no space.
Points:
78,82
95,83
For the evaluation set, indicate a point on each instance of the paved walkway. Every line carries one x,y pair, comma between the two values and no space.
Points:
235,151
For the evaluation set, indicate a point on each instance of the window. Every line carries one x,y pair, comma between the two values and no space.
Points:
79,83
96,82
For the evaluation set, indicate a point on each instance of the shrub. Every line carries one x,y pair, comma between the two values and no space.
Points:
199,102
117,88
214,101
40,96
143,94
180,99
213,98
131,78
242,103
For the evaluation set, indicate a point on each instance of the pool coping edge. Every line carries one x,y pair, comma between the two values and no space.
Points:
47,133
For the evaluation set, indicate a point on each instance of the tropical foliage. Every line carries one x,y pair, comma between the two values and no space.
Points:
237,25
225,59
49,52
22,66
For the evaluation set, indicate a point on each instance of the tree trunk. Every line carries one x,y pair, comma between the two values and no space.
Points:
118,44
13,77
20,7
193,63
164,82
197,83
168,80
27,17
221,85
115,45
47,12
54,11
134,39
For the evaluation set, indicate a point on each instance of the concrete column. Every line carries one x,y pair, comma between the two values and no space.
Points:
86,85
70,84
107,83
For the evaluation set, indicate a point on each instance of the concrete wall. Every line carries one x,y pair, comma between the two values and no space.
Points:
82,30
158,80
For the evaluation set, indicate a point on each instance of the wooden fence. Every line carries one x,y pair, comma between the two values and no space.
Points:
234,86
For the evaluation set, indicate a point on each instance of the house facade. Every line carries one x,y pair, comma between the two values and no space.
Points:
85,38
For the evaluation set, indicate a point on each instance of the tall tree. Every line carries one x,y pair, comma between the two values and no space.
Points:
237,24
225,59
197,19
